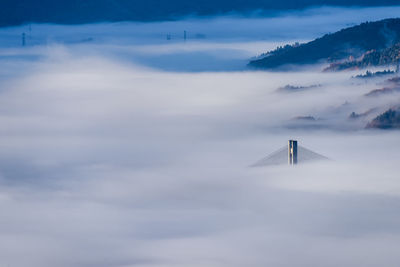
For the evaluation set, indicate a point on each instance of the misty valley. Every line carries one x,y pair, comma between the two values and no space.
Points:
139,143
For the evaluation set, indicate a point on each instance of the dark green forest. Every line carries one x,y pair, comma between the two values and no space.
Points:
350,42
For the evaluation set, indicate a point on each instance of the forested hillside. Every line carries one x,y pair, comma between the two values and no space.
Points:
15,12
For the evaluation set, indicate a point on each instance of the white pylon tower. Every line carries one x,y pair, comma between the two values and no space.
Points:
292,152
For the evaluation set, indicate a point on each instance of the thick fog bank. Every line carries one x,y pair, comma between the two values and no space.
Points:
108,160
111,164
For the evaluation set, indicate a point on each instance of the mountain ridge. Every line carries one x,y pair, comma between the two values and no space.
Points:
348,43
17,12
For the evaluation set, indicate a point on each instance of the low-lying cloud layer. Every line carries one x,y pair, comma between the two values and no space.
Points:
212,44
105,161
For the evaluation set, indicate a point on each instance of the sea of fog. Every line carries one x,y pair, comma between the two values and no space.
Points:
119,147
